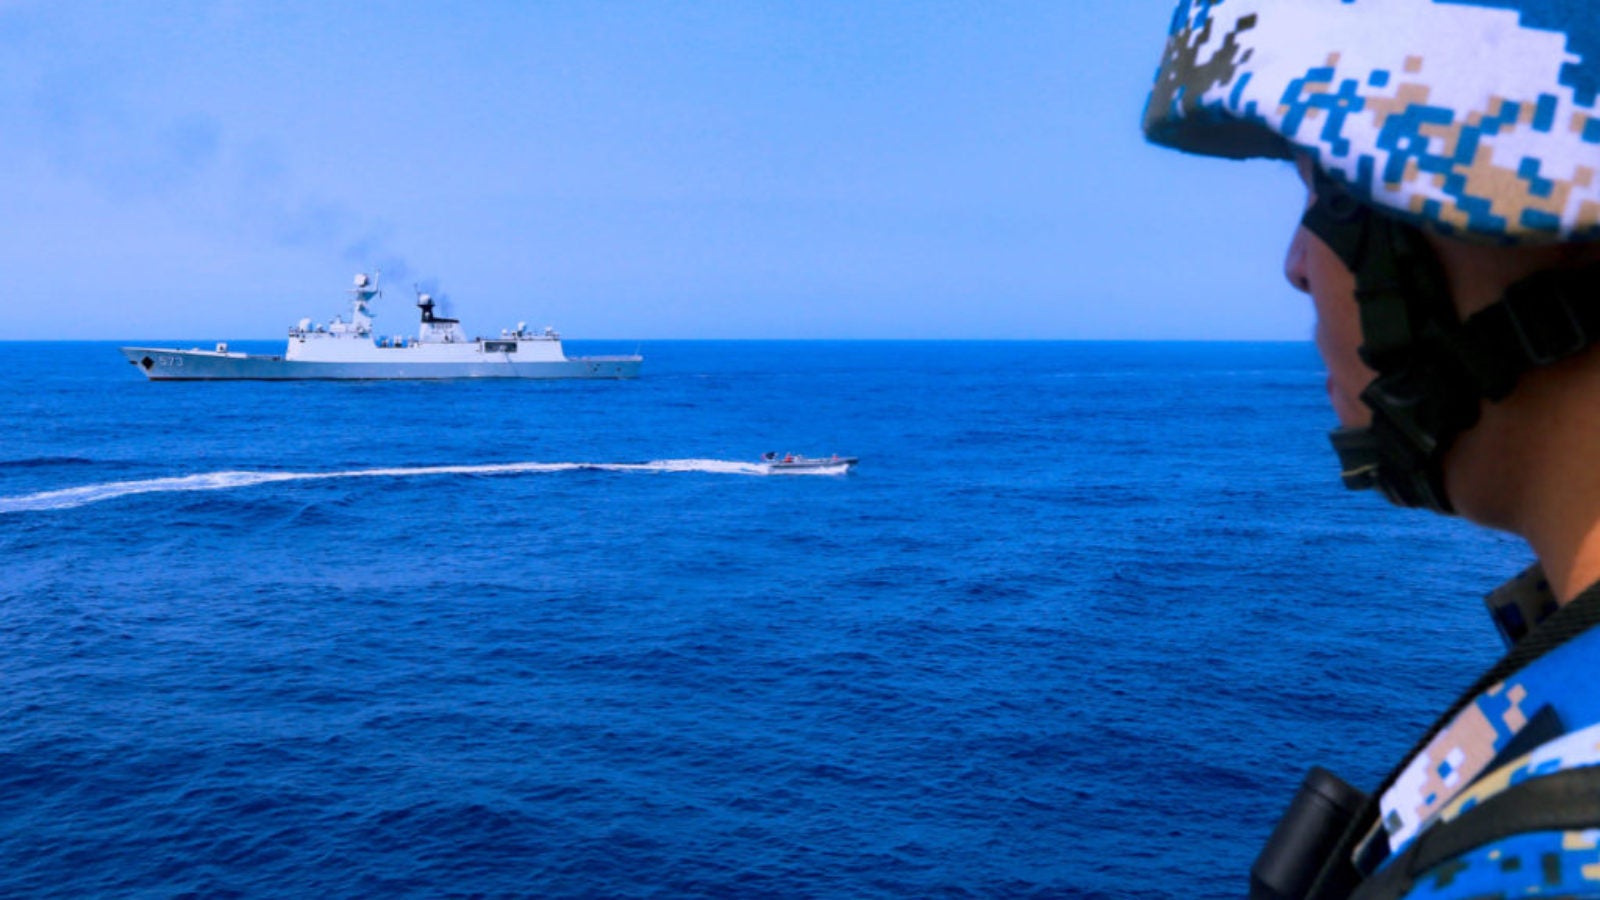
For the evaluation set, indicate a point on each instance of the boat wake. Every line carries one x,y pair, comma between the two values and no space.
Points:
69,498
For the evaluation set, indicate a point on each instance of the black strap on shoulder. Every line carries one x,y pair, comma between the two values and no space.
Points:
1542,727
1557,802
1339,877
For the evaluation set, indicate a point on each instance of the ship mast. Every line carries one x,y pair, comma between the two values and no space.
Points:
360,296
436,328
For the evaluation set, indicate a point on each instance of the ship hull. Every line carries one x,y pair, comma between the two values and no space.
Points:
204,365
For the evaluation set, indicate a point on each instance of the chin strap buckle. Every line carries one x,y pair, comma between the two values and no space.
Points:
1545,321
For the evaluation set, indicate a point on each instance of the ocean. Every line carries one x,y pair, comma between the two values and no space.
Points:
1074,627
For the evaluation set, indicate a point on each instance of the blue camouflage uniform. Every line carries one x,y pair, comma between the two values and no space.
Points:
1466,764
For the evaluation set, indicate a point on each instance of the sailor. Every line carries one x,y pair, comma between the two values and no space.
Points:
1450,151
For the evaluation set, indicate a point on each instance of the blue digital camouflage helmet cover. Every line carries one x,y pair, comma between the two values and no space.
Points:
1473,117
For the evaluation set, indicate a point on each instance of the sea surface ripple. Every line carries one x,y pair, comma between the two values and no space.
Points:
1075,627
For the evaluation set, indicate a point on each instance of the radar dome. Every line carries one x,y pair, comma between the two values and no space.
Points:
361,280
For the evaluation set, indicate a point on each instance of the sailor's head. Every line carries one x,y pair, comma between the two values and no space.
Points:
1449,152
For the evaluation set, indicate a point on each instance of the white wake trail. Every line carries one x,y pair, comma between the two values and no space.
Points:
69,498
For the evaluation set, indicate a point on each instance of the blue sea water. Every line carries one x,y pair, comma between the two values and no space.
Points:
1075,627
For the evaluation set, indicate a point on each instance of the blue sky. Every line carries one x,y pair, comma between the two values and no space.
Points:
641,170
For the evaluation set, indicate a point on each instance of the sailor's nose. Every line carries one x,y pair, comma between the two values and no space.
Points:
1294,262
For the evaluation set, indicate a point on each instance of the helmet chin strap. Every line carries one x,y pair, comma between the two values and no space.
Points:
1434,370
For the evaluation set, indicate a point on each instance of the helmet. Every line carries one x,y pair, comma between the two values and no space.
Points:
1476,117
1472,118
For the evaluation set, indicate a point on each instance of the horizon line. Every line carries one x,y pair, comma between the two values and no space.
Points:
737,340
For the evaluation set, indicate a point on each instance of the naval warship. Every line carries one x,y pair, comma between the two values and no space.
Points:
340,349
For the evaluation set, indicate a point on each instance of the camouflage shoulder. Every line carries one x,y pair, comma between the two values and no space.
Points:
1539,864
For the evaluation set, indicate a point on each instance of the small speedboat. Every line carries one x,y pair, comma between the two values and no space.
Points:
793,462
